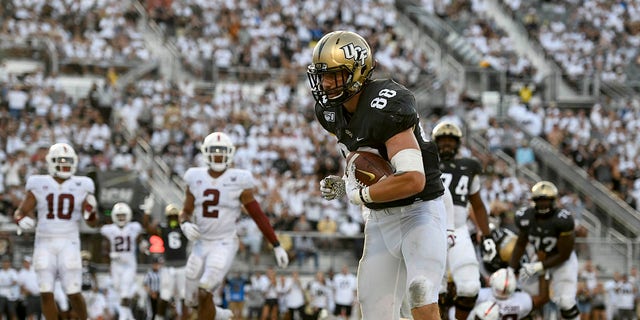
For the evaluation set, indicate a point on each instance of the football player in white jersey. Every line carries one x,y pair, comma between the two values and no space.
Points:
213,202
61,200
123,238
512,304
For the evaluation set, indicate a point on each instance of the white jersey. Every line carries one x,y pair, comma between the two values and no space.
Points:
320,294
123,240
217,200
59,205
518,306
344,288
461,213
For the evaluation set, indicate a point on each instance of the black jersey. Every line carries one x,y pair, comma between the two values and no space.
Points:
544,230
457,175
385,108
175,246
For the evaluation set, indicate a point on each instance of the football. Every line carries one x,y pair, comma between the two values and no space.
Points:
370,167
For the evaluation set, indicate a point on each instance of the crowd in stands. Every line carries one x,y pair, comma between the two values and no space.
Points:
281,34
84,32
587,38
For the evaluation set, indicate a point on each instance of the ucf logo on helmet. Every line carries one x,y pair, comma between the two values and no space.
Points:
355,53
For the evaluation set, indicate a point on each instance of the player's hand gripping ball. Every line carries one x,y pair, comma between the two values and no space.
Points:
368,167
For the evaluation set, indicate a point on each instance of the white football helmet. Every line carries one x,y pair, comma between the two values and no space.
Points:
503,283
62,161
487,310
121,214
218,150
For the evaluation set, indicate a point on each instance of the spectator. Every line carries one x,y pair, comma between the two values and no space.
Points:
294,296
344,293
305,247
28,282
8,283
235,294
151,284
327,228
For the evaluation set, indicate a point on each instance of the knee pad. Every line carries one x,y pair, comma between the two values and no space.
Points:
193,269
465,303
468,289
570,314
422,292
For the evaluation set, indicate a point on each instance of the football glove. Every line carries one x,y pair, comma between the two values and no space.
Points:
90,206
332,187
282,258
147,204
190,230
355,192
26,223
529,270
451,238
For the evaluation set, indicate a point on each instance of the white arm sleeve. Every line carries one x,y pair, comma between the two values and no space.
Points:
408,160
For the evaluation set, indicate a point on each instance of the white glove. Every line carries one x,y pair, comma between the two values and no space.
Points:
147,204
91,203
282,258
190,230
529,270
355,193
26,223
451,238
332,187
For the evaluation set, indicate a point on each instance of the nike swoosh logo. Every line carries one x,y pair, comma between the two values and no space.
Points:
368,174
463,168
359,139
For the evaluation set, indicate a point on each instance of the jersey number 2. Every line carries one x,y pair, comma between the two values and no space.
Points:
61,213
209,206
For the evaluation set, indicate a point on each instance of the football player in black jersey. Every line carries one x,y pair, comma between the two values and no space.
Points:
462,176
172,277
405,236
551,231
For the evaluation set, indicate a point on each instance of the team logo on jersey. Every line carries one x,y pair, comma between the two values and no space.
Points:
348,133
329,116
78,184
355,53
233,179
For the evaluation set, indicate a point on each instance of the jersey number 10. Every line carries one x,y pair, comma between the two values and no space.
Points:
61,213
